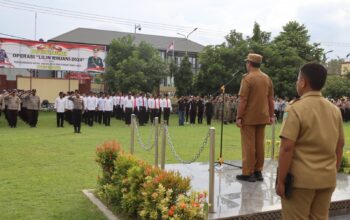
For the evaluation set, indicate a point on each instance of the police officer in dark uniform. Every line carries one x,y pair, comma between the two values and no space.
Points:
78,108
200,105
209,111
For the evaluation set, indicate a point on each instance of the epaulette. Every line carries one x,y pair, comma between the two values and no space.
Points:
293,101
244,75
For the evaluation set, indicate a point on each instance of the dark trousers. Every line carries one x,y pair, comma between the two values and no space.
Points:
181,117
192,117
90,117
187,113
154,113
209,116
77,113
32,117
118,113
200,117
147,116
12,117
107,118
99,116
128,112
59,118
166,115
142,115
68,115
23,114
159,115
96,116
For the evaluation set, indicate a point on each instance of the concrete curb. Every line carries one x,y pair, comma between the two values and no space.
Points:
89,193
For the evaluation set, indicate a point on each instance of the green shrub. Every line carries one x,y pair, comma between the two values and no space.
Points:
139,190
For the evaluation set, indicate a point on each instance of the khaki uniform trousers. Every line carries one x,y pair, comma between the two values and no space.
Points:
252,138
308,204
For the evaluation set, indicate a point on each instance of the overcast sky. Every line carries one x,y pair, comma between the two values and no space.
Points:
328,21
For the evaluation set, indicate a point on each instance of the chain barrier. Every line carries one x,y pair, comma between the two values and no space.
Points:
177,156
148,146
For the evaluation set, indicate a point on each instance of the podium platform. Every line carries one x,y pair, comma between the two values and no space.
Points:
244,200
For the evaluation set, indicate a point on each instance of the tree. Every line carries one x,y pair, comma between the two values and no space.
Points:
286,53
219,62
184,78
334,66
133,67
337,87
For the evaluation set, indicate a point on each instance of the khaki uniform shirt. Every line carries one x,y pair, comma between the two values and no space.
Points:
257,87
33,102
13,102
315,124
78,103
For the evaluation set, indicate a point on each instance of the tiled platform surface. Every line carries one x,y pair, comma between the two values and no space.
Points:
243,200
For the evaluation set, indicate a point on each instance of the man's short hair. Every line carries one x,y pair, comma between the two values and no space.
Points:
316,74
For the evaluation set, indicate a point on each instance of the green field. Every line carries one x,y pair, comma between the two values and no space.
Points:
44,169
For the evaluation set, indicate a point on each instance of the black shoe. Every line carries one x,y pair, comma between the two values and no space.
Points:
258,175
250,178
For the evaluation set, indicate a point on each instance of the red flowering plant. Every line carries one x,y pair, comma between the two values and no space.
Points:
106,154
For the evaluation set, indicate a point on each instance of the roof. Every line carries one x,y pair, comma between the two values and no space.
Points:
104,37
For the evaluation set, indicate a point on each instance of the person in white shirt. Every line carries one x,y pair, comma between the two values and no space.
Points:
122,104
151,108
91,105
85,112
157,101
100,108
117,103
59,108
142,107
166,108
69,108
108,107
128,107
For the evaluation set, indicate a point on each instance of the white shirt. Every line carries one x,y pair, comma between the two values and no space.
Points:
91,103
166,103
157,103
69,103
129,103
100,104
151,103
116,100
108,104
60,104
122,100
141,102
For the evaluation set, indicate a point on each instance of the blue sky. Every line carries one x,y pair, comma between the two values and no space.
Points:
328,21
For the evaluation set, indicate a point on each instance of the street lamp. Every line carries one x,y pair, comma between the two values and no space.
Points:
347,55
187,36
324,55
137,27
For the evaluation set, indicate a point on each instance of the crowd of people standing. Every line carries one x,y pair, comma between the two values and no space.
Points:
23,104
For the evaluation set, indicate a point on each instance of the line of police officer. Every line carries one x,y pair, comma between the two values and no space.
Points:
25,104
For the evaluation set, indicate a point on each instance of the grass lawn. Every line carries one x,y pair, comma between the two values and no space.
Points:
44,169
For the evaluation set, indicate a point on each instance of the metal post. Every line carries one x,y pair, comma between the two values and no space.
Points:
132,134
156,141
273,141
162,150
211,169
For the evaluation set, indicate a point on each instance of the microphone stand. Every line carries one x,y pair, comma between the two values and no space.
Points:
222,89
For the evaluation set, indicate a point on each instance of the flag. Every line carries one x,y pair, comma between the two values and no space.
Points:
170,47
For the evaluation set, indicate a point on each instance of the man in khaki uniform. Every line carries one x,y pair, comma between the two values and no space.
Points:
311,148
255,110
33,107
13,106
